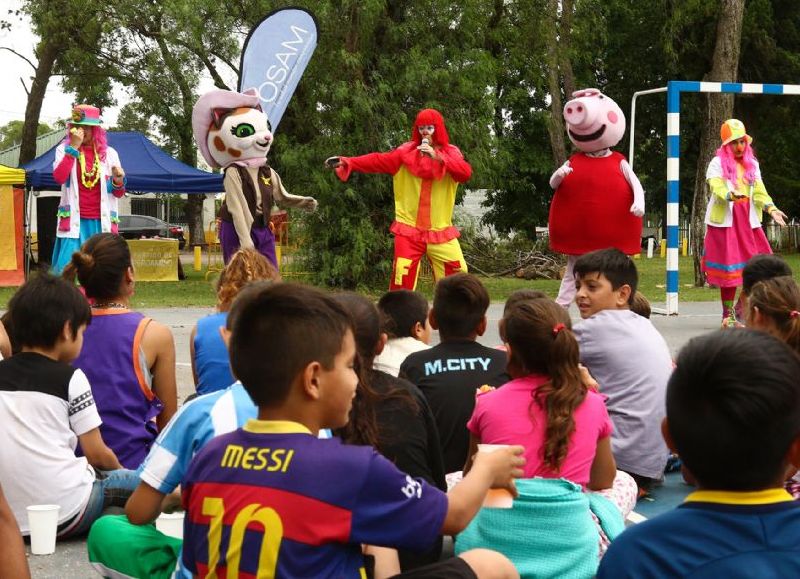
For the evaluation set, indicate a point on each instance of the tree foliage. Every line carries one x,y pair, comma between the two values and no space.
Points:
11,133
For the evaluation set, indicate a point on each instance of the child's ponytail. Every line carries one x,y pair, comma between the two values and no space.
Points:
541,339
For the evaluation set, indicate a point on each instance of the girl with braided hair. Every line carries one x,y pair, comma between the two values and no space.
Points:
773,306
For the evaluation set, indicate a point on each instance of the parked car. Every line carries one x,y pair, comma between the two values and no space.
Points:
139,226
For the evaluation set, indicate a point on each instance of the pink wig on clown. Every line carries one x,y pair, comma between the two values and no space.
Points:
729,161
731,131
88,118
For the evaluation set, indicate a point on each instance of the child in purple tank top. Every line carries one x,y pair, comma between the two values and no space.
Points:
129,359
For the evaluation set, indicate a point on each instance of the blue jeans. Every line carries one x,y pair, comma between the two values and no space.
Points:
110,489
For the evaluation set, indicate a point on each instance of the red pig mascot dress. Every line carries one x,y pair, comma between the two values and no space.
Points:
426,172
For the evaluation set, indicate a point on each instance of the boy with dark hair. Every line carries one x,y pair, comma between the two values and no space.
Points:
405,321
629,359
273,500
449,373
762,267
732,400
46,408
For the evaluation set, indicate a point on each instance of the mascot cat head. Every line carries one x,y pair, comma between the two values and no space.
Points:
230,128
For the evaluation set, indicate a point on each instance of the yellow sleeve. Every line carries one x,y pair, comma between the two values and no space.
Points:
719,188
761,198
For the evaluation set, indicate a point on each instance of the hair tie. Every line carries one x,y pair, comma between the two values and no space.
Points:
557,328
794,314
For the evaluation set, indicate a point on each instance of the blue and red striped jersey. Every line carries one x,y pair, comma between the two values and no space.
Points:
272,500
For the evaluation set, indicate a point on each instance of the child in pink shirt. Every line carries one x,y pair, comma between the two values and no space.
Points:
547,407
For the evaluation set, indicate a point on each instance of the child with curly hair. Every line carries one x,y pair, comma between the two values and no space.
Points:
209,355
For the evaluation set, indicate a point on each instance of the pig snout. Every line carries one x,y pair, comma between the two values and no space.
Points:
580,113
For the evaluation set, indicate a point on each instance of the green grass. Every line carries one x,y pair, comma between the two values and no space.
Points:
196,291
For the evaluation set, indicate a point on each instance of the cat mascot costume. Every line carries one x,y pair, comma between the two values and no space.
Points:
233,133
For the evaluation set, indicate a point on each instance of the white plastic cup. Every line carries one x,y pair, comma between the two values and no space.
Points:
497,498
43,524
171,524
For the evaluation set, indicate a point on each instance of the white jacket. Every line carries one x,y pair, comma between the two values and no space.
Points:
70,199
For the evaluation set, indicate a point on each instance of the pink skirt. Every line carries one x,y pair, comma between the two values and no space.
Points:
727,249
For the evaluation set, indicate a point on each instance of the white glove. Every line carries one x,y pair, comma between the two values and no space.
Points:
638,205
309,204
559,175
638,192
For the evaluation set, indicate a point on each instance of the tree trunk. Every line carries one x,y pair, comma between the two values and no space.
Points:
555,126
565,35
188,153
719,108
47,58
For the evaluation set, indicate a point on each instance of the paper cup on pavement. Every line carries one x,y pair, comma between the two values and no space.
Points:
43,524
171,524
496,498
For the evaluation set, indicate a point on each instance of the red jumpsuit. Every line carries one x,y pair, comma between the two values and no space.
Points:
424,197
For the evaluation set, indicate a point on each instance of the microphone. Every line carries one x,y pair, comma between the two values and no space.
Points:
426,141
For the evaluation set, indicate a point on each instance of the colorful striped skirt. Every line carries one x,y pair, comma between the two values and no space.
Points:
727,249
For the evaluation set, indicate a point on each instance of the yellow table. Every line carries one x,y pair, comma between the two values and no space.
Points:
154,259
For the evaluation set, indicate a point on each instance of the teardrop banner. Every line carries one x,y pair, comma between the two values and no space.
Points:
274,57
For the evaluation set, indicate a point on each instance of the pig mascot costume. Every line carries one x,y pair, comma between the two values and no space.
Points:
598,200
232,133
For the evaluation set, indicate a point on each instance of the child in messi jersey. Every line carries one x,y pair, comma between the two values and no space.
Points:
271,500
733,415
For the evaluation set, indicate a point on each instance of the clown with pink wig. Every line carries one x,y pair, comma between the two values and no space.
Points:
733,217
91,179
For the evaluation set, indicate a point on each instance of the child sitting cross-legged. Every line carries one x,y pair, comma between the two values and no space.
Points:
405,317
449,373
629,359
733,415
47,408
547,408
273,500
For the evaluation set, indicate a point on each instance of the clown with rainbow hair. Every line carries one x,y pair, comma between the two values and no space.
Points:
733,217
91,179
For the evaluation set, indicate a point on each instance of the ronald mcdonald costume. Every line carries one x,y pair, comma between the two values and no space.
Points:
424,197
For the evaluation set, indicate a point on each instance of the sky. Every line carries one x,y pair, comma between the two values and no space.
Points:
57,104
13,98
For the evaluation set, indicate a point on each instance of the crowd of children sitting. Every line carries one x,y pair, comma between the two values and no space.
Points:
329,439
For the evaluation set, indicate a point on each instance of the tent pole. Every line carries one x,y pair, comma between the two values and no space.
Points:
26,223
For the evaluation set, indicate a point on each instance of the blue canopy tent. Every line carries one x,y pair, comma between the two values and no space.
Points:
148,169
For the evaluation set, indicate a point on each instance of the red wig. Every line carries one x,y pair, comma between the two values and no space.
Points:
430,117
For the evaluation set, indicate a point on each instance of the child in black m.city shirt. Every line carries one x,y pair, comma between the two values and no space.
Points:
449,374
